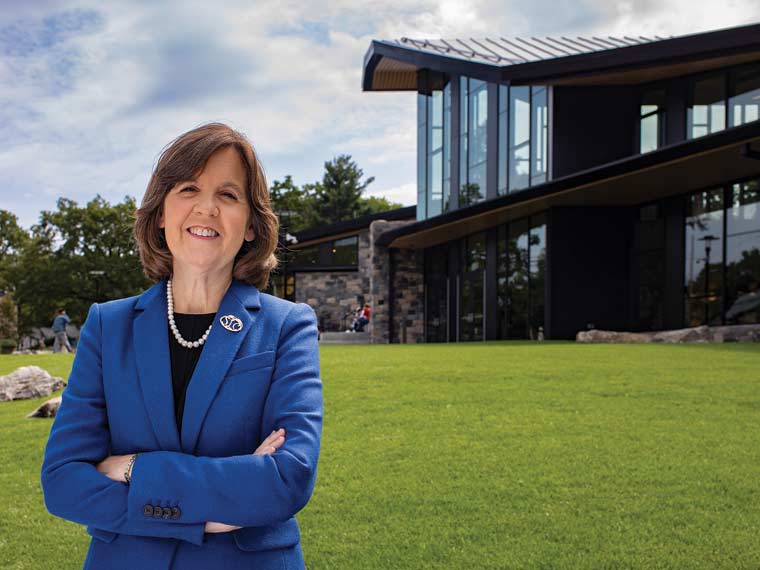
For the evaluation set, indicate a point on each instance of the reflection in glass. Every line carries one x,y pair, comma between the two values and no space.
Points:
421,156
306,256
519,138
538,135
651,112
537,256
471,284
744,103
435,153
446,147
436,294
474,117
743,254
345,251
704,257
521,277
503,119
707,112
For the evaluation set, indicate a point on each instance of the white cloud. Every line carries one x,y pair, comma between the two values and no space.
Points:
90,94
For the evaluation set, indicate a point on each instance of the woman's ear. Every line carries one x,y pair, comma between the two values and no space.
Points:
249,235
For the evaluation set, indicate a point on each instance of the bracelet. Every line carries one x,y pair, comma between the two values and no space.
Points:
128,470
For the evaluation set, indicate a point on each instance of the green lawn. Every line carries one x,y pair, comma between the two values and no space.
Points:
492,455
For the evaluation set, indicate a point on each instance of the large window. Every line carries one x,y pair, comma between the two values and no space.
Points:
704,257
436,294
651,120
723,255
342,252
521,277
433,152
707,112
744,101
723,99
474,140
471,287
743,254
523,137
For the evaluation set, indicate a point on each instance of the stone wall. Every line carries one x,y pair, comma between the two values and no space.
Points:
407,312
408,296
331,294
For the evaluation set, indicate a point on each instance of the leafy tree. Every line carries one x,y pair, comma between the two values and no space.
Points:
338,196
76,256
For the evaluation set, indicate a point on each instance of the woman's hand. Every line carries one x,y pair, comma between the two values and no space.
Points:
271,443
113,467
267,447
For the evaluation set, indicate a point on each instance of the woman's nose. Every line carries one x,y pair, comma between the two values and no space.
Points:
207,206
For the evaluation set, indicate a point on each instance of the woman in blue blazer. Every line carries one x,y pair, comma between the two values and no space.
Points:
217,484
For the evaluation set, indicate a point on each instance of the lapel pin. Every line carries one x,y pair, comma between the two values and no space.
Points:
231,323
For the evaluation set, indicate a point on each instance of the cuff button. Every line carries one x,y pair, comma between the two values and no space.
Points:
176,513
166,513
148,510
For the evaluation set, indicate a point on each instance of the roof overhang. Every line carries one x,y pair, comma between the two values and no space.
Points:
688,166
390,66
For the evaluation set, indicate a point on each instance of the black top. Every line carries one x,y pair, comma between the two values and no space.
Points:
183,360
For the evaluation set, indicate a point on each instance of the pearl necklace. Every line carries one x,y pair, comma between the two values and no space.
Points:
173,325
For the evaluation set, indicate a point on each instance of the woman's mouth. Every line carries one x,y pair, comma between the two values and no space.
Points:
206,234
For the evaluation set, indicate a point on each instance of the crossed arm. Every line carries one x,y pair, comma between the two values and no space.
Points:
81,482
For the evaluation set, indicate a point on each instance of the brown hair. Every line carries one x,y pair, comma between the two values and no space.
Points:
181,160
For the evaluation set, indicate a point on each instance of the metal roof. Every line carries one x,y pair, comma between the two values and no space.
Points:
512,51
392,65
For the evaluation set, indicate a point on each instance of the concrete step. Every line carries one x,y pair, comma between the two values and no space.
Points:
333,337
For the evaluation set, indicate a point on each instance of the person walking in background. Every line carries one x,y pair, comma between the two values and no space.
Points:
60,322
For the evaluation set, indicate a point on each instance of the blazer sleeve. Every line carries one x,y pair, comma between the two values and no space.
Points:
251,490
72,486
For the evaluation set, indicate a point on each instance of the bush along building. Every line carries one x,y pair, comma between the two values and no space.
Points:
574,183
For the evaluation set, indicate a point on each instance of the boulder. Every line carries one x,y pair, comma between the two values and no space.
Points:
28,382
728,333
48,409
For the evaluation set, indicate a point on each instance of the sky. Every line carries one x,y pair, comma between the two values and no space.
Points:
91,91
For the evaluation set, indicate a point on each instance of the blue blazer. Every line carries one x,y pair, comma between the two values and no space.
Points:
246,384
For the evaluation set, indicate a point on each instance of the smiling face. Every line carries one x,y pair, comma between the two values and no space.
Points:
206,219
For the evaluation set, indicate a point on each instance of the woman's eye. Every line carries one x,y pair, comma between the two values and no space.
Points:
187,188
230,195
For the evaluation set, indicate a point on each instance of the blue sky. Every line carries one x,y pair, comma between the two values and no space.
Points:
91,91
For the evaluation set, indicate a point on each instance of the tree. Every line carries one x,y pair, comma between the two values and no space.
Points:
76,256
12,240
339,196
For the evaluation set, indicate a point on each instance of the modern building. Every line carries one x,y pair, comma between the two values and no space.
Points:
569,183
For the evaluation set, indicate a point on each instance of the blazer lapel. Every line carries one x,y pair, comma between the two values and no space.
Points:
220,348
151,342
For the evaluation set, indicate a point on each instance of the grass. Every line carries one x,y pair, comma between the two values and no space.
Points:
492,455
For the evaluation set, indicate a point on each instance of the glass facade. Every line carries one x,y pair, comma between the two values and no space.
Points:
345,251
704,258
744,100
729,98
473,128
433,152
471,287
521,278
523,137
743,254
436,294
651,120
